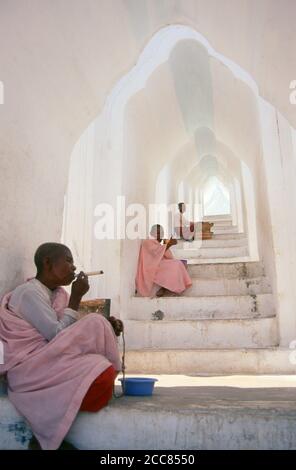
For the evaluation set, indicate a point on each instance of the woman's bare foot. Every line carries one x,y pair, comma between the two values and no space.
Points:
34,445
161,292
172,294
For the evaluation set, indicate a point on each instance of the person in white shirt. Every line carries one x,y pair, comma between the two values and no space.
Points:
183,228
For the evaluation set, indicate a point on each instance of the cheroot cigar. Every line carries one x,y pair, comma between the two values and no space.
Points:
92,273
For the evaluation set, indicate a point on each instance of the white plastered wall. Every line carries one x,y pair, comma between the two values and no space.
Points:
278,146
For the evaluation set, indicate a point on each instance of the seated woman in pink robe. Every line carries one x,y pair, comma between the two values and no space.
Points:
56,364
158,268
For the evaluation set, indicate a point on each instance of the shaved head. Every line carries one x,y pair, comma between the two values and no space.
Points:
52,251
156,231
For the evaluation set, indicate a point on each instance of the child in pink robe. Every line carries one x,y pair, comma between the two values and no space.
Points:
157,267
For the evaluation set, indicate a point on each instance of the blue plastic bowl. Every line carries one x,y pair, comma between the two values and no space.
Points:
138,386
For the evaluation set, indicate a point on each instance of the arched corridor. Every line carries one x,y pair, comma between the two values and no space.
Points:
114,111
166,134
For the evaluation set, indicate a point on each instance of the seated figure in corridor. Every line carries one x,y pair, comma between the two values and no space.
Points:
56,364
183,228
157,268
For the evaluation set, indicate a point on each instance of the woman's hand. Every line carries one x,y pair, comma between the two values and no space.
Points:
171,242
78,289
80,286
117,325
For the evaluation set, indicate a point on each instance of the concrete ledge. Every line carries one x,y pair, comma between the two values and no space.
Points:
195,414
236,412
14,431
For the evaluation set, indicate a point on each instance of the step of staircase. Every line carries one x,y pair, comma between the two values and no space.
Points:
213,243
228,236
210,361
237,259
210,252
223,229
212,287
203,307
220,222
231,270
213,218
201,334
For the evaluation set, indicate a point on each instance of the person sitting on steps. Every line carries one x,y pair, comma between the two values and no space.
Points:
56,364
158,269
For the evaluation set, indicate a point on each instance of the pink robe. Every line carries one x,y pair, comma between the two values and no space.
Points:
48,380
157,266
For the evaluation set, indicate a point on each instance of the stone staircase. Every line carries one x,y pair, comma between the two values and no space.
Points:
226,243
225,322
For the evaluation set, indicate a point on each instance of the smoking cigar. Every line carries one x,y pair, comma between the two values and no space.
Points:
92,273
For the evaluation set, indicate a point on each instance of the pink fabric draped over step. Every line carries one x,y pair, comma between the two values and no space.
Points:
47,381
157,266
